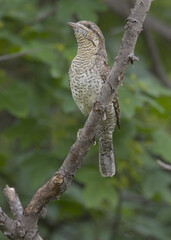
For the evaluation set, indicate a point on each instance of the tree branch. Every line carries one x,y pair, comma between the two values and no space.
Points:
6,224
63,177
164,165
14,202
21,228
151,24
16,55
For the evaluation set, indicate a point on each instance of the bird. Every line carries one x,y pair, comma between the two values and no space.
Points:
87,75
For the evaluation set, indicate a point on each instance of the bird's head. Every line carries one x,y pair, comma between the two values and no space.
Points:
88,34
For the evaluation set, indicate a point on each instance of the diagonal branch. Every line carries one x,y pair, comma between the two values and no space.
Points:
164,165
27,227
64,176
151,24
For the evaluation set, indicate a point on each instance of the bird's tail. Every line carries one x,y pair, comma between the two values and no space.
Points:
106,155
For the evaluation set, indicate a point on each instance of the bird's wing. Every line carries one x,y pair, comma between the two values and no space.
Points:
105,69
117,108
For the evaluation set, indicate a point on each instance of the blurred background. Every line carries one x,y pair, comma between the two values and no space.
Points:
39,120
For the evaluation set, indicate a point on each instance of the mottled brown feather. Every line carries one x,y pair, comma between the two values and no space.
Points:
88,73
104,73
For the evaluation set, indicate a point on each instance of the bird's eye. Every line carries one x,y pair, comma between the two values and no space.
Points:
89,26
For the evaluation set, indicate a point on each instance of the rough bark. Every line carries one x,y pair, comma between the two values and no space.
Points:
25,225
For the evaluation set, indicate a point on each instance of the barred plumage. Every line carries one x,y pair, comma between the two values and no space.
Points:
87,74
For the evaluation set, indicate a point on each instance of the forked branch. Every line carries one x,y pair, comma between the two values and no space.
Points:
26,227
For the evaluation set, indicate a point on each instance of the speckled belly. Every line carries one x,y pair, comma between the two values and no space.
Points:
85,87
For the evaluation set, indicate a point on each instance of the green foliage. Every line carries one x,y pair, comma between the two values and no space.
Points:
101,199
161,145
87,12
39,123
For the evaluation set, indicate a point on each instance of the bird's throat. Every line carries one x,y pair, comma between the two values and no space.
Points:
86,49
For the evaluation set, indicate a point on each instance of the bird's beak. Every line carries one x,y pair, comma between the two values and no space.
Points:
72,24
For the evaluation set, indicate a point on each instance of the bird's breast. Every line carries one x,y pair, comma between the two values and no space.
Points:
85,83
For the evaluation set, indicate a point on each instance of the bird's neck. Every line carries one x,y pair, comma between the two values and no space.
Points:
86,50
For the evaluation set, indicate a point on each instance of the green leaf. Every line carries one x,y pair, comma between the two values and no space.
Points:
31,164
42,51
2,160
66,101
162,144
157,191
99,192
151,87
88,12
148,227
28,132
14,98
129,102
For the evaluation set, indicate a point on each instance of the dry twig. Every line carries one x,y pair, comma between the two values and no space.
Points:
164,165
27,228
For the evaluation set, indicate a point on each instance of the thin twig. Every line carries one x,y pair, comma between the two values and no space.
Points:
164,165
16,55
14,202
62,179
